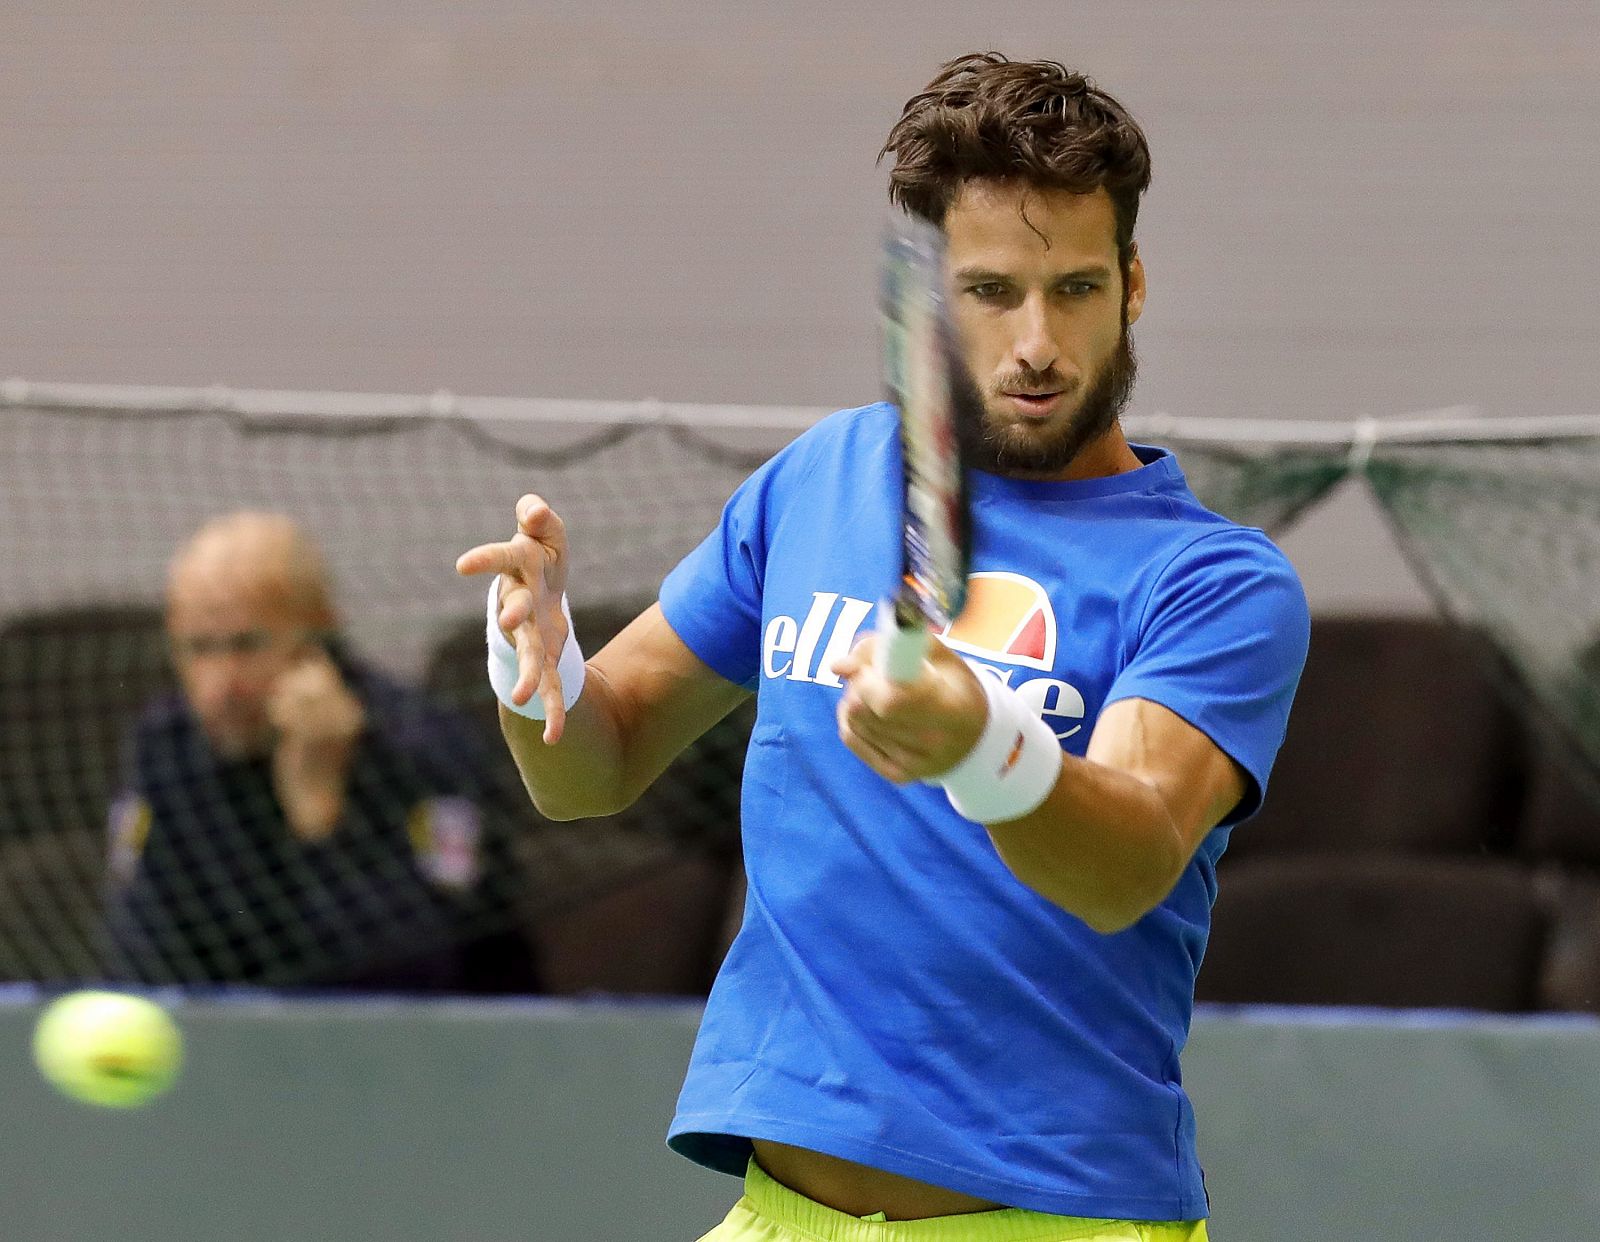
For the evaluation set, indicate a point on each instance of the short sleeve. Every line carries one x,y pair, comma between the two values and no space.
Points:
1221,643
712,599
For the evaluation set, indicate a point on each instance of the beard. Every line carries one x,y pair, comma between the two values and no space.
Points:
1017,449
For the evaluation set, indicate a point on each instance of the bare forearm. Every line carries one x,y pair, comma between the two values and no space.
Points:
582,775
312,801
319,721
1102,846
1117,827
645,697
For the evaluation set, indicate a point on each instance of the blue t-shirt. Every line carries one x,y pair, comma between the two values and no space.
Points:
895,995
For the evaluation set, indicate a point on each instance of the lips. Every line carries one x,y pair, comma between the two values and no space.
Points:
1034,404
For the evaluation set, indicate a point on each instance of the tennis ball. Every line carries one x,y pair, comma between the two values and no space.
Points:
106,1048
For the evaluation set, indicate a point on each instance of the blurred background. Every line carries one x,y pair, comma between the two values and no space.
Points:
1359,211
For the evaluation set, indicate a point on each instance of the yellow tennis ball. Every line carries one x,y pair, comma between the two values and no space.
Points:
106,1048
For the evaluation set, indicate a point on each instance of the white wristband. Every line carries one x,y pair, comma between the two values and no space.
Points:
503,662
1014,765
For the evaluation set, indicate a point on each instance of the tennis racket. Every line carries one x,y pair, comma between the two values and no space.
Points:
925,378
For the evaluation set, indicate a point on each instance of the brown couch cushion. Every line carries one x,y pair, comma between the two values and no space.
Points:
72,682
656,934
1398,741
1561,813
1376,930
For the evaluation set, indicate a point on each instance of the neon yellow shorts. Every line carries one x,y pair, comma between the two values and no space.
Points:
771,1212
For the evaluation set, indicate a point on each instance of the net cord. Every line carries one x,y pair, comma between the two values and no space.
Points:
1452,424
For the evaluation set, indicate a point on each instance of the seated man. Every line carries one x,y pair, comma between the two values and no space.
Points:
293,818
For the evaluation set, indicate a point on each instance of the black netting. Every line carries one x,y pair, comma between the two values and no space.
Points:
1507,536
98,762
125,850
1258,485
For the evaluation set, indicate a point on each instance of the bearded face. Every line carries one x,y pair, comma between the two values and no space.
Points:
1011,446
1043,305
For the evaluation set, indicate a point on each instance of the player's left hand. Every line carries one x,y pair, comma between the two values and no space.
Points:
914,730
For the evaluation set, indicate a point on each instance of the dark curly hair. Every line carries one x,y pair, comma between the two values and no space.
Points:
984,116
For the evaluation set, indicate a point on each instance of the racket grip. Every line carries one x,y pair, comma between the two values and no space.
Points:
899,652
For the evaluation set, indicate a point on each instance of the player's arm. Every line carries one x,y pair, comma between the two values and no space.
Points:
1118,826
646,696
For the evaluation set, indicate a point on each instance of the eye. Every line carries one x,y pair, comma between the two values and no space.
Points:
250,642
1079,288
987,291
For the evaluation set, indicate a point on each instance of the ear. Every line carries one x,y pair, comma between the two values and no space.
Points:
1136,288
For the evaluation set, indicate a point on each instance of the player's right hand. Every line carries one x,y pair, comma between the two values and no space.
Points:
532,565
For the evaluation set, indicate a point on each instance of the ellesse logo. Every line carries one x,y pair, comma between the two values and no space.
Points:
1007,621
1007,617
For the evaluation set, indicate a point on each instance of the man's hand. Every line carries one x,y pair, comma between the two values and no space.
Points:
317,721
915,730
532,566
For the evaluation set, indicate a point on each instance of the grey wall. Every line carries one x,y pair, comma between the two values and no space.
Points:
543,1122
1358,208
1366,207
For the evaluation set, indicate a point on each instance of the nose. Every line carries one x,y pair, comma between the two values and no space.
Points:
1035,346
219,681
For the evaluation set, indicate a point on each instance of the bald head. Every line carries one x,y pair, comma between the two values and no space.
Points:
262,558
247,598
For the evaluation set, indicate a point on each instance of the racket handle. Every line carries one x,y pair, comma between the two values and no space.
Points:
899,651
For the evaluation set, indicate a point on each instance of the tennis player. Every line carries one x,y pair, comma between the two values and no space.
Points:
977,901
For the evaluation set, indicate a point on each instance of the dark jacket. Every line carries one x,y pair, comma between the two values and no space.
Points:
210,885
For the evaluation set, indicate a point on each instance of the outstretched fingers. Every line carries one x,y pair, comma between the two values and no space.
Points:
516,605
537,520
532,566
553,630
530,663
490,558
